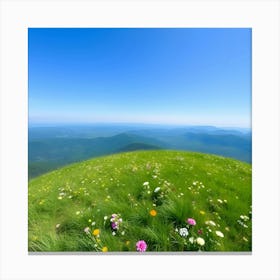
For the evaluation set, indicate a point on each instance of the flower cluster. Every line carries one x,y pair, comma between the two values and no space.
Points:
194,241
116,221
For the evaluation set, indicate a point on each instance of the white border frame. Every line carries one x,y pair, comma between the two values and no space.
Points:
17,16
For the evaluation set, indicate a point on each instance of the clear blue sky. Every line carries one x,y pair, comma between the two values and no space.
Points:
161,75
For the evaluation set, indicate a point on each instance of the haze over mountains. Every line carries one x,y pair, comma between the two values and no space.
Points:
50,147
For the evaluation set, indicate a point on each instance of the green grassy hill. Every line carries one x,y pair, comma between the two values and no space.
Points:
152,193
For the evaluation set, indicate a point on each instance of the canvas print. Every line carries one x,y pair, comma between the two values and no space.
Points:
139,140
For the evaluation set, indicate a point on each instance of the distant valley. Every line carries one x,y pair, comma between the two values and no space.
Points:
51,147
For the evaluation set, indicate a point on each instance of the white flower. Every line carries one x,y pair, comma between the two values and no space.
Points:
219,233
87,230
244,217
219,200
113,233
191,239
200,241
57,226
105,218
183,232
157,189
145,183
211,223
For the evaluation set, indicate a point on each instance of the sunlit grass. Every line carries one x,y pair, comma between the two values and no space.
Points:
154,193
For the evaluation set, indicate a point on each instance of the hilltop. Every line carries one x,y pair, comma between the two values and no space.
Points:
152,194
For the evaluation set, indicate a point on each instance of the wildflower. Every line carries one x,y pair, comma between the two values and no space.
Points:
115,221
244,217
114,225
157,189
153,213
86,230
245,239
200,241
105,218
191,239
191,221
227,228
211,223
145,183
57,226
183,232
96,232
199,231
78,212
141,246
127,242
219,233
202,212
220,201
104,249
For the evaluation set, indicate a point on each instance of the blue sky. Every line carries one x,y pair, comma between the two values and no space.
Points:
140,75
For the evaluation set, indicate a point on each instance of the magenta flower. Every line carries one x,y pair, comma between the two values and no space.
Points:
114,225
141,246
191,221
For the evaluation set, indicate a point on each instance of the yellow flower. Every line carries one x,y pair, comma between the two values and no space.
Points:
153,212
96,232
202,212
105,249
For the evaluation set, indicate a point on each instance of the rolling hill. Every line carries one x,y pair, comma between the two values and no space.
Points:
173,201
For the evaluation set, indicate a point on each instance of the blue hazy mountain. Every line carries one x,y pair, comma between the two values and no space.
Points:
50,147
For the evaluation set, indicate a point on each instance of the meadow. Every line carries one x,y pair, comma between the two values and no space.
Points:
143,201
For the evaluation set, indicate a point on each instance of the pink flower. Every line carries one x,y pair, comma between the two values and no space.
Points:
141,246
191,221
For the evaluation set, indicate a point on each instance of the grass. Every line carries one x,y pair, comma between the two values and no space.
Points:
67,205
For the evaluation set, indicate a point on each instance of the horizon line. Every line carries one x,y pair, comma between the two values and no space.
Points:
32,123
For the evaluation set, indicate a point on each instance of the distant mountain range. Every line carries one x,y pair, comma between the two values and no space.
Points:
53,147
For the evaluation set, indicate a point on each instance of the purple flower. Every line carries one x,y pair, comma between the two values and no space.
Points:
141,246
191,221
114,225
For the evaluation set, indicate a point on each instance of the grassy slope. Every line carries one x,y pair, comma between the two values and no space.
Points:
204,187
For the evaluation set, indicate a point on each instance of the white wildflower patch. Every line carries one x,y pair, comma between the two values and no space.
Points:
191,239
200,241
219,233
210,223
157,189
183,232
